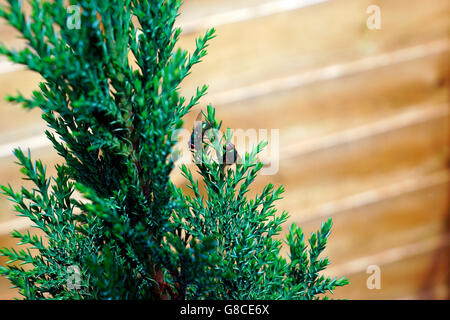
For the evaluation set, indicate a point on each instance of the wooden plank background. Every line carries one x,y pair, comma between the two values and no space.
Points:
363,118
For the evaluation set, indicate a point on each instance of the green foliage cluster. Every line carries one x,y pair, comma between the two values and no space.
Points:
111,218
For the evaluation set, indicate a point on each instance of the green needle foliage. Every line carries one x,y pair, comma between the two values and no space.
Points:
111,223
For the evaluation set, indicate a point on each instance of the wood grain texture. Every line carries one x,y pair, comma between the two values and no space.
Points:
331,32
416,270
376,220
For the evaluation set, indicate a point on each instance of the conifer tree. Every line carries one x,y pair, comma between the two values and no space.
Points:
111,224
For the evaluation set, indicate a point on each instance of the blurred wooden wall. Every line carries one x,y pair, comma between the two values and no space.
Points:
363,118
